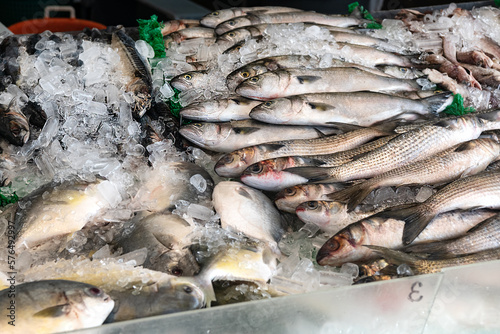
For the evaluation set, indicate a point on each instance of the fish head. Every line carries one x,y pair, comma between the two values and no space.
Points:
18,128
345,246
214,18
238,76
277,111
201,111
289,198
206,135
187,80
178,263
233,37
91,304
266,175
314,212
234,163
186,294
265,86
232,24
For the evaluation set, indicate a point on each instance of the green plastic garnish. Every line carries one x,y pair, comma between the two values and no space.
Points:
150,31
366,15
7,197
497,3
457,107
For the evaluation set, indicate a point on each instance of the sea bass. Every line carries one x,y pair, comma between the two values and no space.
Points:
189,80
287,82
234,163
235,108
348,244
214,18
476,191
230,136
408,147
331,108
52,306
289,198
466,159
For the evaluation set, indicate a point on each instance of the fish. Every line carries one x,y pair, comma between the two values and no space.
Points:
330,216
56,210
214,18
477,191
289,198
166,184
235,162
481,237
229,136
136,69
348,244
485,76
288,82
162,297
250,212
290,17
331,108
14,125
176,25
233,37
410,146
234,108
401,72
427,266
165,238
282,62
187,33
52,306
463,160
370,56
189,80
271,174
364,40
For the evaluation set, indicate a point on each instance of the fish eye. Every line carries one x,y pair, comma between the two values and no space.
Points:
290,191
312,205
404,70
188,76
231,34
231,23
177,271
197,125
245,74
253,79
227,159
187,289
332,245
256,169
215,14
238,48
268,103
95,292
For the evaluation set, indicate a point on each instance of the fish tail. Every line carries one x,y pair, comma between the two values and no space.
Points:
415,223
312,174
352,196
437,103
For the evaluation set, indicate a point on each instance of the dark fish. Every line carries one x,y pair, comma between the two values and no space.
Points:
14,126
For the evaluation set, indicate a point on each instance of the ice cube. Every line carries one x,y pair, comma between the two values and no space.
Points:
404,270
78,240
82,96
384,196
144,49
198,182
110,193
167,91
200,212
134,258
423,194
350,269
103,253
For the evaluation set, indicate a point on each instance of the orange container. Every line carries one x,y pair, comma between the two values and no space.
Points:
37,26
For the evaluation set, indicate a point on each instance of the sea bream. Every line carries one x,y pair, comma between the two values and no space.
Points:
287,82
214,18
408,147
53,306
291,17
230,136
463,160
331,108
235,162
383,230
235,108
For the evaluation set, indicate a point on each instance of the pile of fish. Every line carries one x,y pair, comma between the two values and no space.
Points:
311,143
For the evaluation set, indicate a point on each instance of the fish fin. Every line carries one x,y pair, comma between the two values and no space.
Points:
320,106
313,161
53,312
427,248
493,116
481,224
399,212
344,126
352,196
243,192
312,174
307,78
271,147
437,103
448,124
465,146
415,223
393,255
245,130
387,127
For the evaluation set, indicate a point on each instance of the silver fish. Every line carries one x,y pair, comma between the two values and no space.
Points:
364,40
287,82
235,108
348,244
52,306
189,80
175,25
331,108
289,198
214,18
193,32
230,136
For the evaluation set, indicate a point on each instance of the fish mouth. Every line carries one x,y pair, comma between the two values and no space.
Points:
180,84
